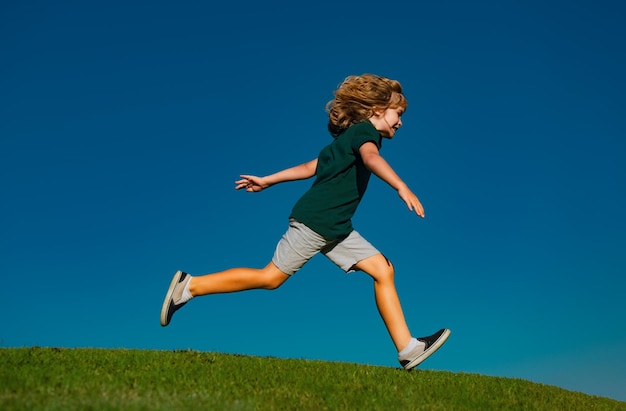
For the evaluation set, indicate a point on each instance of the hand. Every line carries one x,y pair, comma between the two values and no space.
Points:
411,200
251,183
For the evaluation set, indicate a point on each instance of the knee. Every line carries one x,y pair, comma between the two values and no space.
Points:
274,283
378,267
387,272
274,279
384,271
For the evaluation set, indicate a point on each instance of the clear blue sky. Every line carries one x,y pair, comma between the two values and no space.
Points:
124,125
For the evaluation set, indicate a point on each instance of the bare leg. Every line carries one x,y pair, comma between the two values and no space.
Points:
238,279
387,301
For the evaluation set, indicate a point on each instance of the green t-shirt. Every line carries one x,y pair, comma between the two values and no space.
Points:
341,180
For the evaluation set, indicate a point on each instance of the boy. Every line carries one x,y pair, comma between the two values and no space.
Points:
366,109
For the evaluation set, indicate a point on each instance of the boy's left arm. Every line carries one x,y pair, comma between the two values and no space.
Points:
379,166
299,172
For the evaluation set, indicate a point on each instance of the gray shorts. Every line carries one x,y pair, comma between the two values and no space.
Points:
299,244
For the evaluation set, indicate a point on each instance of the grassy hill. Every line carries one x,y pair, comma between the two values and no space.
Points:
98,379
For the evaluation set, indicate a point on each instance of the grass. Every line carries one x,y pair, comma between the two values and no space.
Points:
99,379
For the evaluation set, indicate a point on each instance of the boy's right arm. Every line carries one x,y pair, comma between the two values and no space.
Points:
299,172
379,166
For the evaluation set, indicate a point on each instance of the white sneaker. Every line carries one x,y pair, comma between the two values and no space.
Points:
432,344
174,293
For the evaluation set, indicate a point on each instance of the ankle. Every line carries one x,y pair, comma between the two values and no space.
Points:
413,344
186,294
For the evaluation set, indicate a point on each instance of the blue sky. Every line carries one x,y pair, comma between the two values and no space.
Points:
124,125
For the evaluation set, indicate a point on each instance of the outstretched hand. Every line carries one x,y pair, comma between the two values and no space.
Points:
251,183
411,201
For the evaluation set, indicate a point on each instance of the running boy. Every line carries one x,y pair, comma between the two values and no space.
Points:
365,110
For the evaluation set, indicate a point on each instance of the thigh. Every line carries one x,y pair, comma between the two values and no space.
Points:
350,251
297,246
377,266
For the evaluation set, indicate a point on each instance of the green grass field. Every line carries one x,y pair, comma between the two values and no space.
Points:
99,379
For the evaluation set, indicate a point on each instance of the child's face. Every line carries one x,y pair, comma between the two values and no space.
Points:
387,122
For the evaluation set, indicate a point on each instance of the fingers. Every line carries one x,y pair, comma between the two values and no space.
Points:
418,208
412,202
249,183
244,179
415,205
239,184
420,211
243,183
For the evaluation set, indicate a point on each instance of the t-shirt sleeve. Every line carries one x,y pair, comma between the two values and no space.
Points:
365,133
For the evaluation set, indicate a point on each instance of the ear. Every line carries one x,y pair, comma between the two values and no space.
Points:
378,112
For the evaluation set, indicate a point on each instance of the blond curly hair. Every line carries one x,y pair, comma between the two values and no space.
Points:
358,97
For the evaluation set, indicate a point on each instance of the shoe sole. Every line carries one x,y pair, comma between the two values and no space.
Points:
168,297
429,351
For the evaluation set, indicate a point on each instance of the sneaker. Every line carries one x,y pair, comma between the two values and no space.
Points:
416,356
174,294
